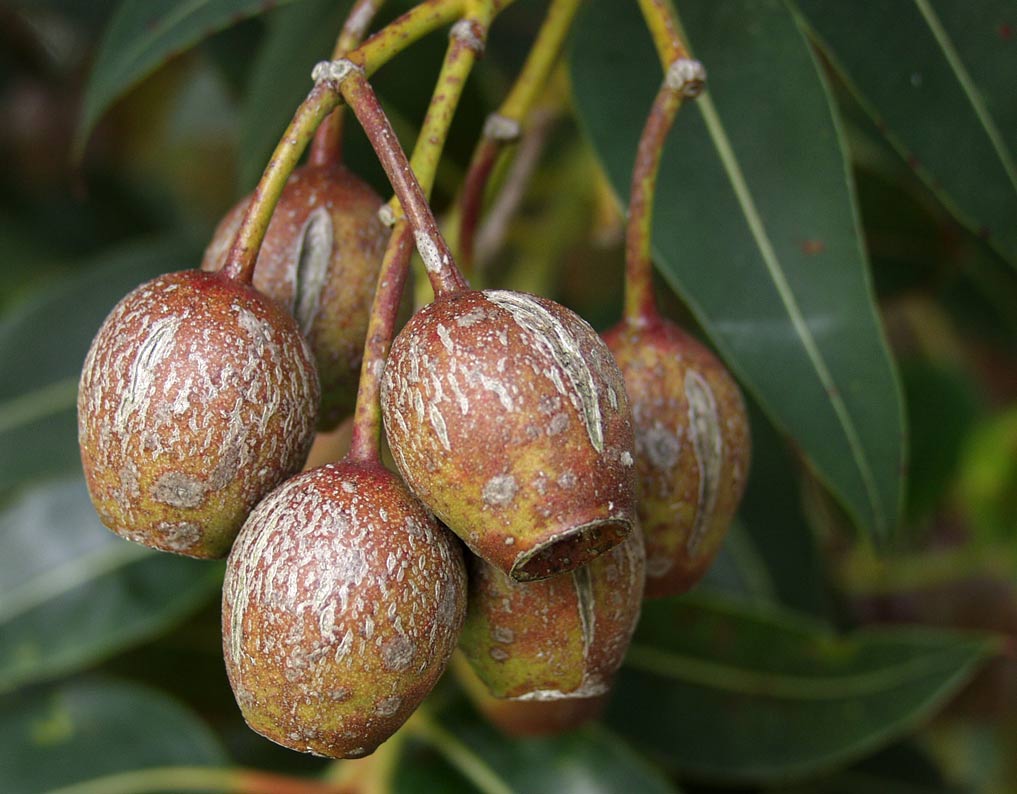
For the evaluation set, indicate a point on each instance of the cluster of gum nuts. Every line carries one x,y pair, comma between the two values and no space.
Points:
542,446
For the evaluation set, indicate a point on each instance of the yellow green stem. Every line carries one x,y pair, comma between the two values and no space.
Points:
244,252
344,76
540,61
395,37
466,44
505,125
662,22
327,147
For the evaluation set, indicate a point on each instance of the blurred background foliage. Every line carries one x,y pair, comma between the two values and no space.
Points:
838,217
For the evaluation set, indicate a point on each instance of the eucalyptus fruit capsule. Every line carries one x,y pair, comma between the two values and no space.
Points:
197,397
507,416
563,637
692,448
342,604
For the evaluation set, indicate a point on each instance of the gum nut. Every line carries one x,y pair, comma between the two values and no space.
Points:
507,416
563,637
692,449
197,397
342,604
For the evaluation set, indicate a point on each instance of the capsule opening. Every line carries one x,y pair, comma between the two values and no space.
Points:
570,549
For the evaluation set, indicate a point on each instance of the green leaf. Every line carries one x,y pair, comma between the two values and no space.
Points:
72,592
724,692
587,761
899,769
52,737
774,523
42,346
143,35
739,570
755,227
937,75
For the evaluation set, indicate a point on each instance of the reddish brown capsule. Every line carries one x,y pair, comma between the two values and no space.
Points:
342,604
692,449
519,718
507,416
320,260
563,637
197,397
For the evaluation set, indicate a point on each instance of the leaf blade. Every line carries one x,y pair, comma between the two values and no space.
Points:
72,593
144,34
777,697
61,735
933,77
756,228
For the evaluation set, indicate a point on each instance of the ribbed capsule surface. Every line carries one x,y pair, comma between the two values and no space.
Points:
320,260
197,397
563,637
692,449
507,416
342,604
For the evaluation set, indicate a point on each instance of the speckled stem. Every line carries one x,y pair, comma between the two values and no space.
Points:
441,268
466,44
504,126
391,280
244,251
684,78
662,22
640,305
327,148
416,23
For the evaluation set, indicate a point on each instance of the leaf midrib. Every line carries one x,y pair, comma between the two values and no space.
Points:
60,580
956,63
726,677
732,167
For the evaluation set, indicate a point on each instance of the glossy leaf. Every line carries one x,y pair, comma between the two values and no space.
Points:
587,761
56,736
723,692
775,526
755,227
42,346
143,35
937,75
72,593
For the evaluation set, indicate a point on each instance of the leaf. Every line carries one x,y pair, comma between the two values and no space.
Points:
900,769
739,570
937,75
72,592
588,761
143,35
60,735
724,692
755,227
42,346
774,523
